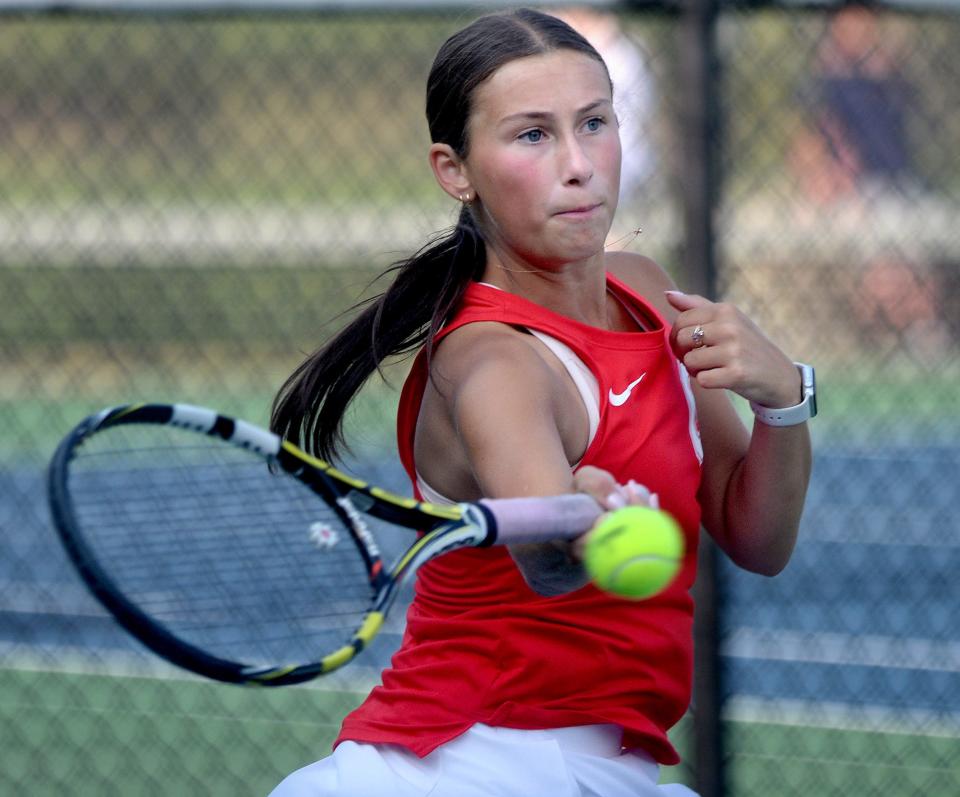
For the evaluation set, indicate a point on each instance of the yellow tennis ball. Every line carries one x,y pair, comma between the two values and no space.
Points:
634,552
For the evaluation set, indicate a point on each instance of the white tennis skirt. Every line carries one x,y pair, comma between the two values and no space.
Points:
584,761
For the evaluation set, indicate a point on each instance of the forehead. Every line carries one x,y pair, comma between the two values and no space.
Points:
546,82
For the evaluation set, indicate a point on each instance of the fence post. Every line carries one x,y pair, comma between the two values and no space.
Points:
699,130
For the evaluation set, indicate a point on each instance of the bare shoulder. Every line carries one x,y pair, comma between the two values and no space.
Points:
490,388
645,276
486,351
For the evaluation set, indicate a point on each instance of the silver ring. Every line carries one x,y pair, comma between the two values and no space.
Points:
697,338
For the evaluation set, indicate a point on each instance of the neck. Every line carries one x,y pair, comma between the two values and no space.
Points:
575,290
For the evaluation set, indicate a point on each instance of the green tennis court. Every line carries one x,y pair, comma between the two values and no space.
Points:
142,736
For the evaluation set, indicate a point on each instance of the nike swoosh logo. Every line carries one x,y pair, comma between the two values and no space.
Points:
618,399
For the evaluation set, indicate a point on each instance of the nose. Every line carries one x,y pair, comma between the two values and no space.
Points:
576,165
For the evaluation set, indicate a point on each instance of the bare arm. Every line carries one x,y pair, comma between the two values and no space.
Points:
502,403
754,484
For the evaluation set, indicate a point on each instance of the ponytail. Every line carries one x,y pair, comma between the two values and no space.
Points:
427,287
309,408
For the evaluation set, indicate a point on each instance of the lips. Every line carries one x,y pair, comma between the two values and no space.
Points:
582,210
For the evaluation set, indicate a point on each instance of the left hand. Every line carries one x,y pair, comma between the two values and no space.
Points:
734,353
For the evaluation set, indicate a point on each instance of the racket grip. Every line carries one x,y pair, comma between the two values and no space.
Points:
536,519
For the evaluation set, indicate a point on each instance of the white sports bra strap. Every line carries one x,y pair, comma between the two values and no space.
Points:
583,378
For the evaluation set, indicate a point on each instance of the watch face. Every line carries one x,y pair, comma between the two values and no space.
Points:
808,375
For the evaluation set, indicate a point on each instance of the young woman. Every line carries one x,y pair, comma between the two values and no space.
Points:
547,366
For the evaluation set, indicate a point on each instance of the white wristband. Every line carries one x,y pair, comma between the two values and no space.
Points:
791,416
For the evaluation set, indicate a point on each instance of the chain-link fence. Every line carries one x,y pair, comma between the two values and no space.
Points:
187,203
843,675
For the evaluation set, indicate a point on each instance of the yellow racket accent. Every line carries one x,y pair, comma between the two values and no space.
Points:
412,552
290,448
371,625
434,510
442,512
396,500
273,674
338,658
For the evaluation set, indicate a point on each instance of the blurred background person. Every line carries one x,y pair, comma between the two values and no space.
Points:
856,146
858,139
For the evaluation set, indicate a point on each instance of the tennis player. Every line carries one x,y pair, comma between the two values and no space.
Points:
547,365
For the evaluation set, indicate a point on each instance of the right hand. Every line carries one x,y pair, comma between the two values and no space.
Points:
605,490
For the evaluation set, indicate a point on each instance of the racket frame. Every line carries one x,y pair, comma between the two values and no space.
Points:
443,528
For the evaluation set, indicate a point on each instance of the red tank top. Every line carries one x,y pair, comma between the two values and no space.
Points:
481,646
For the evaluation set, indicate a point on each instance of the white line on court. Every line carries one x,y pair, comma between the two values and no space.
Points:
842,716
72,660
847,649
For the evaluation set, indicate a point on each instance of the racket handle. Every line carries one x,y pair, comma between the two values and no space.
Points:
519,520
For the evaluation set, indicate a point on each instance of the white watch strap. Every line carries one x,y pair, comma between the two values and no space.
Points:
791,416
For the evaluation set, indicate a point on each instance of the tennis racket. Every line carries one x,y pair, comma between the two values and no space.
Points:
231,553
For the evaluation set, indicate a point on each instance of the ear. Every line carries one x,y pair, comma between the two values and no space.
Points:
451,173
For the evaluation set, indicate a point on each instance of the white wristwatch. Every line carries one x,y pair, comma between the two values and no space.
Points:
791,416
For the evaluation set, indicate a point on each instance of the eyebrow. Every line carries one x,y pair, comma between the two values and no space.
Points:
546,115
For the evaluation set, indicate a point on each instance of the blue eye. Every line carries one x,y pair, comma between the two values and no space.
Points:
593,125
533,136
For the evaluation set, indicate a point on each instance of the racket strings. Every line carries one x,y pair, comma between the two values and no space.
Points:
225,554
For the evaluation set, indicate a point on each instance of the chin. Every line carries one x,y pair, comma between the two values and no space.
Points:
577,254
588,244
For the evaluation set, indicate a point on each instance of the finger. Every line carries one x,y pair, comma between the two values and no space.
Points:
695,337
709,329
715,378
630,494
604,489
640,495
723,314
686,301
601,486
698,316
681,333
578,546
710,356
714,369
688,340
